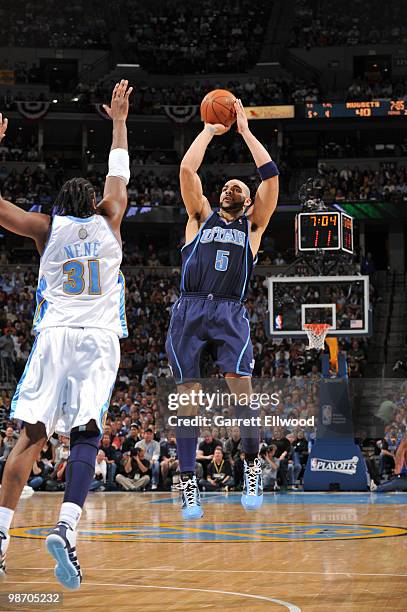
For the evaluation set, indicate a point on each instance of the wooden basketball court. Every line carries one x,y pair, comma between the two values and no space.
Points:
322,552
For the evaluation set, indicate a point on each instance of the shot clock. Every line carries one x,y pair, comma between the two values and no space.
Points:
324,231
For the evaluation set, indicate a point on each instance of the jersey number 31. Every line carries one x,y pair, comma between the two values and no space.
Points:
75,282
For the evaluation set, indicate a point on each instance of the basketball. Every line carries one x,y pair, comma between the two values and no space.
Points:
218,107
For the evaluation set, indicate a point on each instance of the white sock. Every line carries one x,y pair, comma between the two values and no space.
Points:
6,516
70,513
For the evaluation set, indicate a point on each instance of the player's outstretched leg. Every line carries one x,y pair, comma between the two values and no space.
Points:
187,437
191,498
188,485
61,542
252,495
15,476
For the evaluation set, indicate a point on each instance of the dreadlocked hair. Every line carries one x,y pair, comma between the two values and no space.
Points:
75,198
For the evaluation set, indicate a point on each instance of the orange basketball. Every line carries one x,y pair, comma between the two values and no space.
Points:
217,107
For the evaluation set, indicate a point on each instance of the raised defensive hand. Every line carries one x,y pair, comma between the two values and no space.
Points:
3,127
119,106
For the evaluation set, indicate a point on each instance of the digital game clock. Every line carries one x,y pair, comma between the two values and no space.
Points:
325,231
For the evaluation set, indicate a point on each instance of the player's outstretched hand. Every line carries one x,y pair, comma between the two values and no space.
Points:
217,129
3,127
241,118
119,106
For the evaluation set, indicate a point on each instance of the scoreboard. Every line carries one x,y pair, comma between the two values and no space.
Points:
324,231
371,108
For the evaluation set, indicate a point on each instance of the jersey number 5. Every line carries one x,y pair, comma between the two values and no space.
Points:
75,282
222,260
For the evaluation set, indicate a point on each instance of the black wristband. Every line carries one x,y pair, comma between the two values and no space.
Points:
268,170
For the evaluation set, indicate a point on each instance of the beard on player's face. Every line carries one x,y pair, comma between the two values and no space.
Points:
232,201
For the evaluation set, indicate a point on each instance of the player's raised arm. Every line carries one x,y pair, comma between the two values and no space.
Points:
267,194
30,224
115,192
191,186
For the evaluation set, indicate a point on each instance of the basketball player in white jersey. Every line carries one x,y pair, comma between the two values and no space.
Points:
80,316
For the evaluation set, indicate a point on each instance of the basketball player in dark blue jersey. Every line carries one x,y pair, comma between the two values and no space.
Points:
217,262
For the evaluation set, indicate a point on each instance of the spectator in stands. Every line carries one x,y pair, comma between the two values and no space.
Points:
399,482
187,40
233,445
269,466
47,456
279,260
111,454
206,450
168,458
340,24
8,442
132,439
294,465
300,450
7,348
99,479
219,473
152,454
282,453
368,266
37,477
134,470
56,481
386,460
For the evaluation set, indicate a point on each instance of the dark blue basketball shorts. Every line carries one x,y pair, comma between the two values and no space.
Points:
221,325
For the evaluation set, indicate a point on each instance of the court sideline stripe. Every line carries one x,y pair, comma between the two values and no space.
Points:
291,607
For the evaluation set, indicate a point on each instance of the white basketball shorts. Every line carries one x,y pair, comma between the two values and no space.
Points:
68,378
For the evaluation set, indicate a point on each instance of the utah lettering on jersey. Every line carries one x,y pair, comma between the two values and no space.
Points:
81,249
224,235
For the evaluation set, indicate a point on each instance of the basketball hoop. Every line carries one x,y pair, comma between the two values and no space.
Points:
316,333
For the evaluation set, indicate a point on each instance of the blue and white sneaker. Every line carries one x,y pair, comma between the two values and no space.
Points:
191,498
4,542
252,495
61,544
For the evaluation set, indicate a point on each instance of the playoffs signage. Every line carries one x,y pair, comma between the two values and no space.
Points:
341,466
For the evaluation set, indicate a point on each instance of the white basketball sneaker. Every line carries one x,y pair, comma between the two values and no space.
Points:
4,542
61,544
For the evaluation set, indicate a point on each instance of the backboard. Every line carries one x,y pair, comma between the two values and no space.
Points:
340,301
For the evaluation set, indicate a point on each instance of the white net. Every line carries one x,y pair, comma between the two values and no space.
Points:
316,333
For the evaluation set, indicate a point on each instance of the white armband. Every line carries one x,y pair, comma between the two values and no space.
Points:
119,164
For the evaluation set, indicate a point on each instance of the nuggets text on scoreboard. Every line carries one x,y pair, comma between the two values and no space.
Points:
370,108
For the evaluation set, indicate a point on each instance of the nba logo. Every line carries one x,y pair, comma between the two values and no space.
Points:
279,322
314,464
326,415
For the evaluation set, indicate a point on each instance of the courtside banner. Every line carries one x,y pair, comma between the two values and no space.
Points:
286,111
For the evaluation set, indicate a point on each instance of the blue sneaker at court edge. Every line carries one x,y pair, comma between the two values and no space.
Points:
252,495
61,544
191,498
